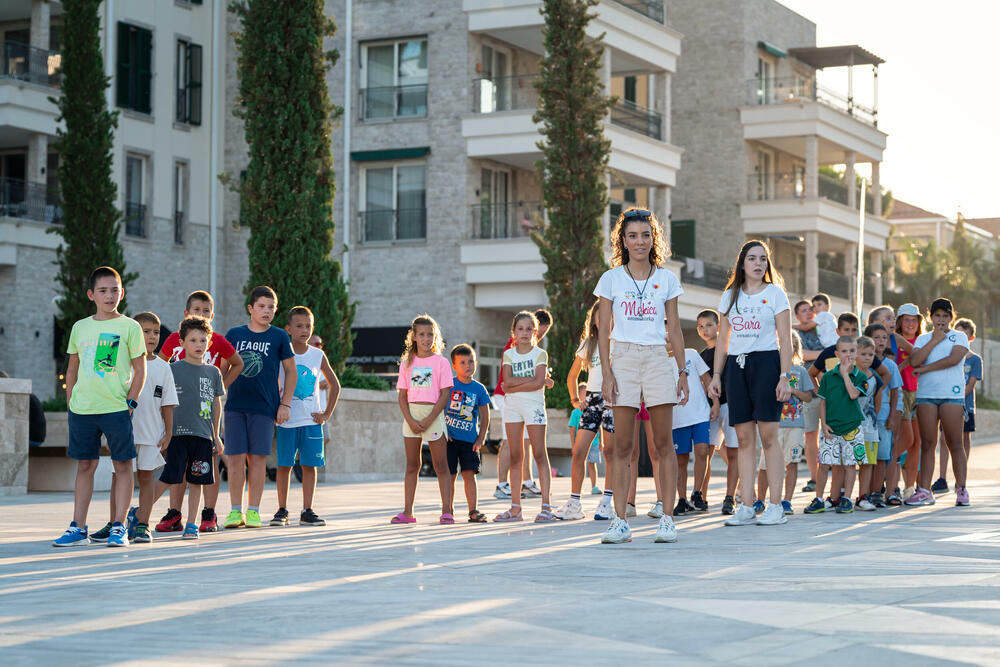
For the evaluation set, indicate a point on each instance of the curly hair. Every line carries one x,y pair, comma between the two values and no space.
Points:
194,323
658,253
410,344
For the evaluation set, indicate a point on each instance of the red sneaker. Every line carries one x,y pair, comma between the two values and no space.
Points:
209,522
170,523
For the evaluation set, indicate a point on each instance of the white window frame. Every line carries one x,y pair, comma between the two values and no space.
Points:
145,200
363,76
363,192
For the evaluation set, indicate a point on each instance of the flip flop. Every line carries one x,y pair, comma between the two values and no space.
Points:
446,519
402,518
475,516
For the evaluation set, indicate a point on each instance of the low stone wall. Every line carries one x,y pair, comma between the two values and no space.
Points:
987,426
14,394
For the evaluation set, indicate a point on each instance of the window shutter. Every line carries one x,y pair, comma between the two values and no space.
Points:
145,70
682,238
194,84
124,65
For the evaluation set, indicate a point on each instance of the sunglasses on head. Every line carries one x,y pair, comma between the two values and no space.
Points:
636,213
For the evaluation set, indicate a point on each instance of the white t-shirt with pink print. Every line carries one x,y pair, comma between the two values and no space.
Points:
751,319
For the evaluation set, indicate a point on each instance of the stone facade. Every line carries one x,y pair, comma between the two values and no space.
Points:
14,436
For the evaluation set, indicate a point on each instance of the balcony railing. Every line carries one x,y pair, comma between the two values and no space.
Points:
26,63
406,224
650,8
393,102
505,93
765,186
32,201
135,219
834,284
835,189
789,90
506,220
638,119
705,274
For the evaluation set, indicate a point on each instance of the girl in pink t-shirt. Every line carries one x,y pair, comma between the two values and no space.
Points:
424,385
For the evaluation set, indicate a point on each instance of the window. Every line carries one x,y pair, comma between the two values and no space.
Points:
395,203
765,80
682,238
180,200
495,83
395,79
630,90
188,83
135,210
135,67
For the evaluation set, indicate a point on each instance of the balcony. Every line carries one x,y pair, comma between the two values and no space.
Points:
639,119
507,93
652,9
26,63
793,90
135,219
703,274
835,284
506,220
392,102
389,225
791,185
31,201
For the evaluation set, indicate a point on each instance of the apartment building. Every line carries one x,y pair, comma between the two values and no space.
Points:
165,153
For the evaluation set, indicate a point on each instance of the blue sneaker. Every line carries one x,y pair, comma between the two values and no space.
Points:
73,537
787,507
758,506
131,521
190,532
119,536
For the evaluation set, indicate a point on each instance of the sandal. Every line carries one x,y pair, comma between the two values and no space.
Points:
508,516
402,518
546,515
475,516
446,519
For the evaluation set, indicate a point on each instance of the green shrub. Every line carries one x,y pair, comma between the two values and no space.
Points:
986,403
57,404
353,378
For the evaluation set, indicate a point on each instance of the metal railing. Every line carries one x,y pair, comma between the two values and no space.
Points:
26,63
706,274
649,8
32,201
393,102
834,284
504,93
639,119
407,224
135,219
179,227
767,186
506,220
788,90
835,189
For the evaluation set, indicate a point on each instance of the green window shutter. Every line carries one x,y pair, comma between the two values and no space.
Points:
144,73
194,84
124,68
628,194
682,238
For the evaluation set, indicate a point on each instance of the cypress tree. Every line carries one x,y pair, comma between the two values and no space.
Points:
287,198
90,220
573,169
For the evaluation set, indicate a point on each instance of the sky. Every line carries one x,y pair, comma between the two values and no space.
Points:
938,93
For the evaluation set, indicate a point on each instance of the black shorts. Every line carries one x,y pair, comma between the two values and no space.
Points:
460,452
970,422
750,381
188,457
597,414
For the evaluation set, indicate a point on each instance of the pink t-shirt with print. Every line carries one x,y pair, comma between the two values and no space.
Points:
424,379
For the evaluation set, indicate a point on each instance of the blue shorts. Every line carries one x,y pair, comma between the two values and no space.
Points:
884,443
970,422
306,440
750,387
941,401
460,453
248,433
85,436
686,437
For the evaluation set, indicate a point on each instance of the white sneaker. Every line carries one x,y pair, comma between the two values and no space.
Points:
744,516
656,511
502,491
604,511
617,533
865,505
530,489
772,515
666,532
630,510
570,511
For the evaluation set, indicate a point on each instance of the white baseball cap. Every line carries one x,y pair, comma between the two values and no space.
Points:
908,309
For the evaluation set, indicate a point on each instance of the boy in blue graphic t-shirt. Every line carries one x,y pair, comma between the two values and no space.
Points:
467,416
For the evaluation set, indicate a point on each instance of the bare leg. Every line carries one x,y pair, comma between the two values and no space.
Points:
526,459
837,482
762,483
236,469
952,418
943,447
732,469
194,503
618,452
147,488
865,480
503,462
774,459
592,473
83,490
682,474
211,492
581,447
702,456
661,421
850,473
913,456
822,471
927,417
812,452
284,476
791,479
633,469
654,460
536,433
177,494
121,489
308,486
257,475
414,448
471,493
746,435
439,459
515,442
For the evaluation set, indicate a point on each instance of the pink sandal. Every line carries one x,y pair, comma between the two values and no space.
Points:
402,518
446,519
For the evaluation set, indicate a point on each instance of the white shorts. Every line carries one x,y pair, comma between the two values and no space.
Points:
792,441
810,413
148,457
529,411
720,429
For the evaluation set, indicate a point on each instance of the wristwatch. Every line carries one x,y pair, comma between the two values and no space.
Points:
132,404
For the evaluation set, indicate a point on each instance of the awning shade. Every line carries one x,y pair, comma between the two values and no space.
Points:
772,49
390,154
834,56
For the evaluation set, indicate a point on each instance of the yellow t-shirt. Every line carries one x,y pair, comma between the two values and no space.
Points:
524,365
106,349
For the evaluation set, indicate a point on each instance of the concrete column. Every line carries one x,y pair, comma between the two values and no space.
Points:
14,436
852,194
812,167
40,21
876,191
812,264
38,150
851,270
606,70
877,270
663,108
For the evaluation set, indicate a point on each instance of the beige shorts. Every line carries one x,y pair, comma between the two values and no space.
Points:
810,413
792,441
523,409
148,457
909,405
437,429
644,373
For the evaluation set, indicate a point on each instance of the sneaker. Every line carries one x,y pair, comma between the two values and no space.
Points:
681,508
907,492
815,507
743,516
688,506
865,505
190,532
877,499
617,533
630,510
893,500
919,497
309,518
758,506
73,537
830,505
809,487
280,517
209,521
699,502
940,485
772,515
171,522
142,533
131,521
786,507
604,511
665,532
656,511
571,511
961,496
233,520
530,490
845,506
118,536
102,535
728,505
596,491
502,491
253,519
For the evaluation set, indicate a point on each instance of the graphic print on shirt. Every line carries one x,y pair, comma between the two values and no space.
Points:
106,353
306,384
639,309
523,369
209,358
791,410
462,404
206,391
421,376
252,353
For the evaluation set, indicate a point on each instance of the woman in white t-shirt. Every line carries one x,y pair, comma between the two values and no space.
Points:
753,357
635,297
938,359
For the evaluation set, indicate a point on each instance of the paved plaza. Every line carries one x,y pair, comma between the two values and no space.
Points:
900,586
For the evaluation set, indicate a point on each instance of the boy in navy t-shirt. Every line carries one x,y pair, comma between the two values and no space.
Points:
467,416
254,404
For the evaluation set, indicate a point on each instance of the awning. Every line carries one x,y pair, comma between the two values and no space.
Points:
772,49
390,154
834,56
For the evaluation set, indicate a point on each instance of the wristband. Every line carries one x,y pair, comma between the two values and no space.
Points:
683,370
285,405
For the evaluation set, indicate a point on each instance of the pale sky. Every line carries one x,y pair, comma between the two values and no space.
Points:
939,93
